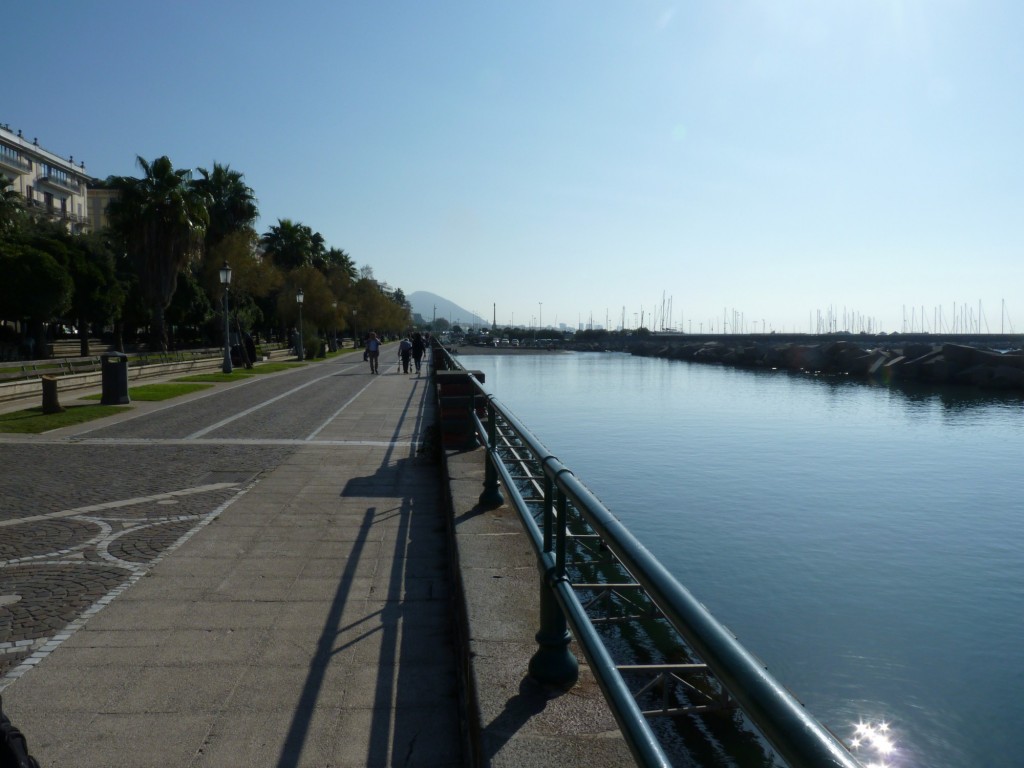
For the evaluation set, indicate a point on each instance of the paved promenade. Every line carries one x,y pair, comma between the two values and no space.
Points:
274,572
257,575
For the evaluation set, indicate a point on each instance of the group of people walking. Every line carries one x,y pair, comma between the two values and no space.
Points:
410,351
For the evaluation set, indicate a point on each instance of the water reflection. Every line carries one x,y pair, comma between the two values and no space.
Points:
950,398
958,399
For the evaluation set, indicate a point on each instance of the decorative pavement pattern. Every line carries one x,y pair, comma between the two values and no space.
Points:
62,561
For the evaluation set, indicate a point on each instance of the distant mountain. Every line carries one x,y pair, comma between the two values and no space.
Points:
429,305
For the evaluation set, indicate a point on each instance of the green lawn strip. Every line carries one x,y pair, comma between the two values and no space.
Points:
161,391
216,377
241,373
274,367
34,421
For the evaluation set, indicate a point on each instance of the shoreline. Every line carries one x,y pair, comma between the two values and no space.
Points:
895,360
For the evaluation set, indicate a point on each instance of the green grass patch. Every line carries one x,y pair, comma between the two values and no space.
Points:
240,373
274,367
157,392
33,421
216,377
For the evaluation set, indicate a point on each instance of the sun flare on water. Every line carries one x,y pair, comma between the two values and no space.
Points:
874,742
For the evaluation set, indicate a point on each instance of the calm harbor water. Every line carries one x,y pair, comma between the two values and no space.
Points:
867,543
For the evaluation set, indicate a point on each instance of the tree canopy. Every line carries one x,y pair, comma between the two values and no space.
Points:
158,265
162,219
292,245
230,202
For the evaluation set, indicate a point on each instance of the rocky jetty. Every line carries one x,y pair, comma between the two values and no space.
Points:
912,362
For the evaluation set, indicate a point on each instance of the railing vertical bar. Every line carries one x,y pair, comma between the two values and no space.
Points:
549,494
561,534
491,497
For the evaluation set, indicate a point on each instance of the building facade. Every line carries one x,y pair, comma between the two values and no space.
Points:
99,198
49,184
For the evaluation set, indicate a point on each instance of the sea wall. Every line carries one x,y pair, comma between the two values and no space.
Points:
919,362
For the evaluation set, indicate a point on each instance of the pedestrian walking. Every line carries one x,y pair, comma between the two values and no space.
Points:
373,352
405,353
418,347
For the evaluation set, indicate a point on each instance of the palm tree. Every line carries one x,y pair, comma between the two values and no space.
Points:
229,200
292,245
162,218
337,259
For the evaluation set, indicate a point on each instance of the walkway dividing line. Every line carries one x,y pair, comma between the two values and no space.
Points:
255,408
119,504
337,413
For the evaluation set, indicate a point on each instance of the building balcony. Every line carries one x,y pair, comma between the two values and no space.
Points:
64,185
14,161
39,207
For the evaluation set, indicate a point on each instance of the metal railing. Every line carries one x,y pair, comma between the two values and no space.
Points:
55,212
59,179
14,159
654,649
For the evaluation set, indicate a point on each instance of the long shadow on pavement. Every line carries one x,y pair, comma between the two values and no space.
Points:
414,717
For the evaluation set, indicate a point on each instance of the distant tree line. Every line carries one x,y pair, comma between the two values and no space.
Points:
153,275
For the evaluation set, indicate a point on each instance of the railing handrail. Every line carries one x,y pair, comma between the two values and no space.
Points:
785,723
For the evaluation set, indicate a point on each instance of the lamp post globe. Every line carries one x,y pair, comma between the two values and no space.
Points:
225,280
301,347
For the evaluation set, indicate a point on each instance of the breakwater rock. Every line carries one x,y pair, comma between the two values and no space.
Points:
926,363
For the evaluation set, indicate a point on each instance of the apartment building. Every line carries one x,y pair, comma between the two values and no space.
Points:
49,183
100,196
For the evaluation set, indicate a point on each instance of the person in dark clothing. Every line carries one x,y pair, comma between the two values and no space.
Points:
13,747
418,347
373,352
249,344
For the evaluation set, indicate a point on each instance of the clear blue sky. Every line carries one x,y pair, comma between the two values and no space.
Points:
758,159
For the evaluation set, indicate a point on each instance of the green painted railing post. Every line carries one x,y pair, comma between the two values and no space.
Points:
553,664
491,497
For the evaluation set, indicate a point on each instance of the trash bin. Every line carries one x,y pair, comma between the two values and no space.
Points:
114,368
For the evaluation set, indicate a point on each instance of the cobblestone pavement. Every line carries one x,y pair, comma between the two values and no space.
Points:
80,523
83,516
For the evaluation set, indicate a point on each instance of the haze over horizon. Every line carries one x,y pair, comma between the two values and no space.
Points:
761,164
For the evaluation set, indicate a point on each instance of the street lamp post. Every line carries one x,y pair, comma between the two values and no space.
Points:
334,346
225,280
301,347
